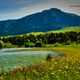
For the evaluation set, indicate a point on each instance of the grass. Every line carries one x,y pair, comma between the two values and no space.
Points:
73,48
62,68
50,47
68,29
35,33
32,49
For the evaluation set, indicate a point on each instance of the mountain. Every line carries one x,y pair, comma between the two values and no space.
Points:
46,20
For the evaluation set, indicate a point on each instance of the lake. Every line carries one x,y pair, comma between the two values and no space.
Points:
13,59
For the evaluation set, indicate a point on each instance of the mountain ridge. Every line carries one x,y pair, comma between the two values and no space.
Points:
46,20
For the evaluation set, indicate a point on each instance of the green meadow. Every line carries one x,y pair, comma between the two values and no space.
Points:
55,61
61,68
68,29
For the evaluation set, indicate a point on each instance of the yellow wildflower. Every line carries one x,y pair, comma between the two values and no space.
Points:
1,78
66,67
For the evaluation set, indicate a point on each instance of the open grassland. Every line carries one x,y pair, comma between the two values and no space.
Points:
59,48
35,33
68,29
62,68
73,48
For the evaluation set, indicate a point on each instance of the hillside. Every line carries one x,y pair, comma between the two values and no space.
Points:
68,29
47,20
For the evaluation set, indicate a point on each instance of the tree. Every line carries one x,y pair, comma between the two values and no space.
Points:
38,44
9,45
1,44
29,44
67,42
78,39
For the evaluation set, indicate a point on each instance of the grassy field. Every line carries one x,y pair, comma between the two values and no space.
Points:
35,33
62,68
52,47
68,29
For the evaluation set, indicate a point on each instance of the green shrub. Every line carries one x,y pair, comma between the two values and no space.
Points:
29,45
56,44
78,39
38,44
8,45
32,45
1,44
67,43
49,57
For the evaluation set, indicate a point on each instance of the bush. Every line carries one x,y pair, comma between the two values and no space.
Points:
32,45
56,44
8,45
67,43
78,39
49,57
1,44
38,44
29,45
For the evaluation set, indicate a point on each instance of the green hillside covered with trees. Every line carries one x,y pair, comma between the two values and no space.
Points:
66,37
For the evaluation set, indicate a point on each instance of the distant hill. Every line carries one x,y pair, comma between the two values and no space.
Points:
52,19
68,29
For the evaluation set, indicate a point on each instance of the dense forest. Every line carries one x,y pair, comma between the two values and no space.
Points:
41,39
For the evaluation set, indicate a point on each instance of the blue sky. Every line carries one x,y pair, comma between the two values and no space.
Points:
13,9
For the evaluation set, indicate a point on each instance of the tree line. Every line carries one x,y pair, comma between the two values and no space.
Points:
42,39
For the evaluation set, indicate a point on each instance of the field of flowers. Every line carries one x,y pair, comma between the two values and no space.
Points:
62,68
